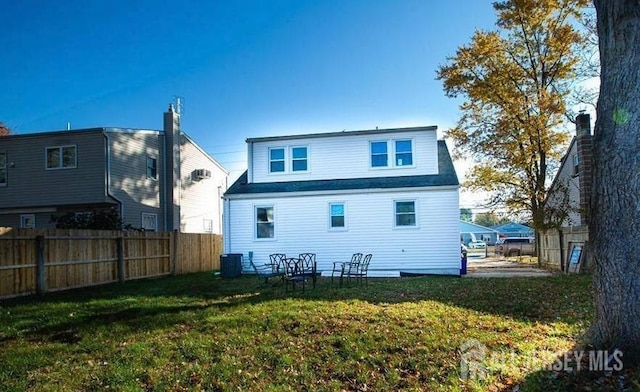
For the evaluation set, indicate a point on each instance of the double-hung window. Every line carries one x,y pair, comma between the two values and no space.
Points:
276,160
3,169
152,168
299,159
576,164
404,153
337,216
265,225
61,157
379,154
405,213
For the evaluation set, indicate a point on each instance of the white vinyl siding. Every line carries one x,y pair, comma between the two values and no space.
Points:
61,157
433,245
346,157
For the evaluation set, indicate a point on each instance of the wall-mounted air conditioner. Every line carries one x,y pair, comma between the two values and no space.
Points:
200,174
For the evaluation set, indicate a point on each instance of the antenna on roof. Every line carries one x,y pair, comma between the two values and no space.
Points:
179,104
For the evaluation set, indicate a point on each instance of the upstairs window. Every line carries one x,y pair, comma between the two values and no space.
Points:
3,169
404,153
299,159
336,216
379,154
152,168
405,213
576,164
61,157
276,160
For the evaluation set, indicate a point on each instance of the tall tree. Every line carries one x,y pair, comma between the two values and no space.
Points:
515,82
4,130
489,219
466,214
615,200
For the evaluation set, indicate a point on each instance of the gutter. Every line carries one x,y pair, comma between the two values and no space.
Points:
108,175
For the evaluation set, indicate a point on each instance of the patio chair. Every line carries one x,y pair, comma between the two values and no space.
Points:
270,270
362,269
346,268
308,266
293,273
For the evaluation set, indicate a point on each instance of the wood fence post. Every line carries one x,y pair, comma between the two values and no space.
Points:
174,256
121,266
41,273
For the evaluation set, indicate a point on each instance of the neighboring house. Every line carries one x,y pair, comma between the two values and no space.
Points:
157,180
389,192
568,200
513,229
472,232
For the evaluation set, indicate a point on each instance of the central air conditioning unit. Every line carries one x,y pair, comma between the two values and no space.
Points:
200,174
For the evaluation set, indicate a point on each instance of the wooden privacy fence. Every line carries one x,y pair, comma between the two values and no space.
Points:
37,261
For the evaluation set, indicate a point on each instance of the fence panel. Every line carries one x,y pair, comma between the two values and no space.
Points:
78,258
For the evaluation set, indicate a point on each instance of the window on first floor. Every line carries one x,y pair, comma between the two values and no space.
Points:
337,216
152,168
208,226
27,221
3,168
61,157
405,213
149,222
265,225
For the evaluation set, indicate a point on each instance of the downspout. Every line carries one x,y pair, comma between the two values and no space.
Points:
108,175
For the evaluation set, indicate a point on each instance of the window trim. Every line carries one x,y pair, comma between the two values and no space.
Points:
344,216
207,225
5,168
395,152
576,164
371,154
415,214
60,149
149,215
155,167
24,217
283,160
255,222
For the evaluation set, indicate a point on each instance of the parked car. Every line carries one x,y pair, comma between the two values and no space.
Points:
477,244
515,246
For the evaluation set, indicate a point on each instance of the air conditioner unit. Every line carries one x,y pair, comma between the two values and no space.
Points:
201,174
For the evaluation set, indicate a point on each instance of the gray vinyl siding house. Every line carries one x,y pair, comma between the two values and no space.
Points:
146,175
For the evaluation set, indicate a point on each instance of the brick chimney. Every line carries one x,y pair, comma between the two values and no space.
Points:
584,146
172,168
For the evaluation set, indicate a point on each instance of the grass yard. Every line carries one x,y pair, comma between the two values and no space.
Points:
199,332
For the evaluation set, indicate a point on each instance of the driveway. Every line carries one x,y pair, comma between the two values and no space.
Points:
494,267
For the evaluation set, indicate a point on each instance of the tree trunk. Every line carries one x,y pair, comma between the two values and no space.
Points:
614,229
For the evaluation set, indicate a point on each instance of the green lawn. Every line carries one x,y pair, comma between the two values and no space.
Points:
199,332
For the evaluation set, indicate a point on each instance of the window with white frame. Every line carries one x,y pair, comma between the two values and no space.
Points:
27,221
405,213
299,159
576,164
149,221
379,154
337,216
276,160
404,152
61,157
152,168
4,175
265,225
208,226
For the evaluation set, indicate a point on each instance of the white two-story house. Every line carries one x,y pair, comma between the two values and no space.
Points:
390,192
157,180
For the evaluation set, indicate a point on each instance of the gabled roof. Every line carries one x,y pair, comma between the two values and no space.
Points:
513,228
446,177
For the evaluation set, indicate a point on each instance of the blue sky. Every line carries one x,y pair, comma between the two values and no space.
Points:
243,68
